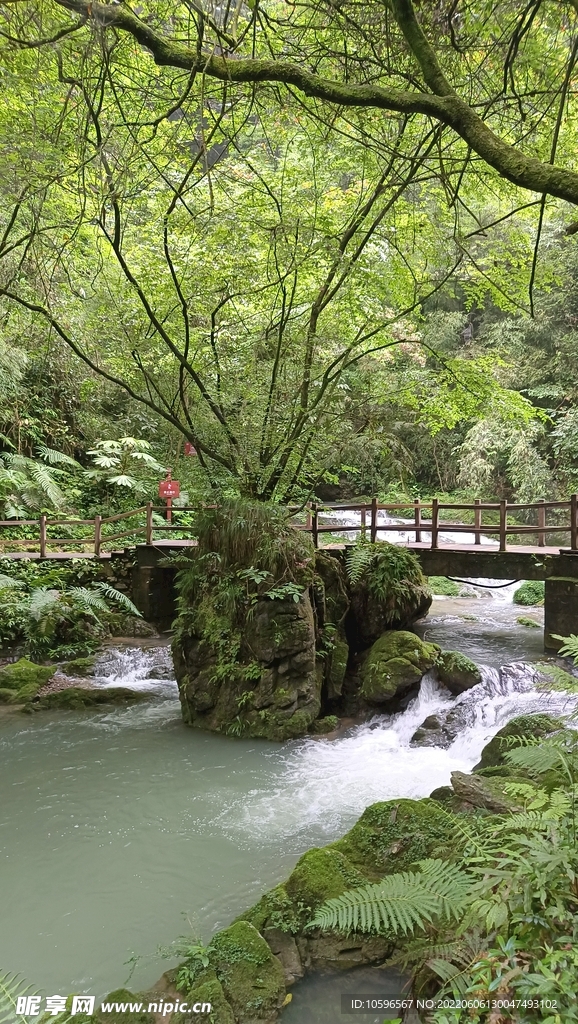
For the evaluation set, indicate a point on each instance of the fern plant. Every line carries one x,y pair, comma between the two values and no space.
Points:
12,988
402,902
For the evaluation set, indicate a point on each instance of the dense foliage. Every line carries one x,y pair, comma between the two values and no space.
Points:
317,297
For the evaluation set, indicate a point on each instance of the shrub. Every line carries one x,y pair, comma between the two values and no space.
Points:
531,592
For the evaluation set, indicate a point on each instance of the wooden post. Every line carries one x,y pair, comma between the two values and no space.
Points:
149,523
373,533
308,520
541,525
169,502
574,522
363,531
43,536
435,512
503,523
97,535
314,525
417,519
477,521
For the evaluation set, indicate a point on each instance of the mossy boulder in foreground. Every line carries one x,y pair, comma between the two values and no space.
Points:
23,679
457,672
524,725
395,662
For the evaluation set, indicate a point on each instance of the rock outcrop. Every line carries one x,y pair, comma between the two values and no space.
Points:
457,672
395,663
280,694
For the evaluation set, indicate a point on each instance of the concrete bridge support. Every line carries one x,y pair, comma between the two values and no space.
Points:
560,610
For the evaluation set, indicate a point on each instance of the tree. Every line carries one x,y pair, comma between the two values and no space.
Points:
232,281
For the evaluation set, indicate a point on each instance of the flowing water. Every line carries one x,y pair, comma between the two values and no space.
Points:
121,829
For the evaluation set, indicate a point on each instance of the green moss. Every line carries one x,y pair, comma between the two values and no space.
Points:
523,725
274,910
337,666
78,667
457,672
211,991
441,586
7,696
25,678
252,979
319,875
523,620
276,726
393,835
323,725
395,662
530,593
75,697
123,995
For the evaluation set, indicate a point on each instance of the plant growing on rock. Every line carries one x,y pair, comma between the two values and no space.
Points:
513,884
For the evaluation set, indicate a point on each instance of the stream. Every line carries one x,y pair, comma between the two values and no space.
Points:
122,829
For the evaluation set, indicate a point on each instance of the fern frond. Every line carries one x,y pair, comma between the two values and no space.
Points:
88,599
12,986
42,602
358,560
569,647
8,581
555,678
536,759
118,597
399,903
55,458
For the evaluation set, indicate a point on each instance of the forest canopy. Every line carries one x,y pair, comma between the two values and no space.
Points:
322,242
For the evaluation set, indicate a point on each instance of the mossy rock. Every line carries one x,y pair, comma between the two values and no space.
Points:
393,835
319,875
532,592
123,995
7,696
336,667
325,725
24,678
487,794
395,662
78,667
252,979
333,577
523,620
274,909
524,725
210,991
457,672
75,697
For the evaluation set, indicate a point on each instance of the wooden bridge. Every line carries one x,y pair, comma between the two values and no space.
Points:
506,526
496,540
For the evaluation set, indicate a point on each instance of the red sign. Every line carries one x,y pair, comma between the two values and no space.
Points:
190,449
169,489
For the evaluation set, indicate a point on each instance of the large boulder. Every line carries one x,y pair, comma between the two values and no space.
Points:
274,692
395,663
21,680
483,793
457,672
524,725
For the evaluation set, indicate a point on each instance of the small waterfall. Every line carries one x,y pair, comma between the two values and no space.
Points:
139,668
320,782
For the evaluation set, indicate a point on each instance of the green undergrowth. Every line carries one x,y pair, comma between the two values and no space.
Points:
530,593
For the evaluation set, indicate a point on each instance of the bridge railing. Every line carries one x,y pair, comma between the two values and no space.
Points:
422,522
